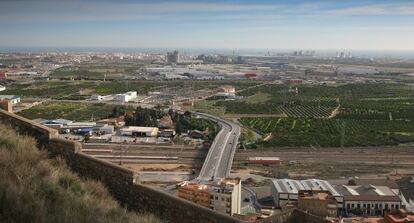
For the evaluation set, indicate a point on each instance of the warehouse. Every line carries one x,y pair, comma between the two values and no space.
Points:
369,199
285,191
139,131
129,96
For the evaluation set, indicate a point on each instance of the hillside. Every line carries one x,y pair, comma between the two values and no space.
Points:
34,188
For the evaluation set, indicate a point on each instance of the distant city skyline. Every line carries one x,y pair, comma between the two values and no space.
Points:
262,24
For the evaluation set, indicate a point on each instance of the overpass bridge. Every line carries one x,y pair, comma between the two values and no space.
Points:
220,156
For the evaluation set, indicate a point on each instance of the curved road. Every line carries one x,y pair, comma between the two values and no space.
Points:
219,159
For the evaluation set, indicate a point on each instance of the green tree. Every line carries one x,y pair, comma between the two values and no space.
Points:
118,111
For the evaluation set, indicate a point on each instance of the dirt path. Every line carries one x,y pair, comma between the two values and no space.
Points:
335,112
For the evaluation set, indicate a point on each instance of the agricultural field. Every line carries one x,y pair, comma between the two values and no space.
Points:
79,90
366,115
98,71
285,105
285,132
71,111
52,89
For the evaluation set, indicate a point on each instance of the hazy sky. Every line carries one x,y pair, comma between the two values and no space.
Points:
278,24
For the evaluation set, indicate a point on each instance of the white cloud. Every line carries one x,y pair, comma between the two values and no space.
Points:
377,9
72,11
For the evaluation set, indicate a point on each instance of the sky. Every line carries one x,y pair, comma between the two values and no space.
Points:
259,24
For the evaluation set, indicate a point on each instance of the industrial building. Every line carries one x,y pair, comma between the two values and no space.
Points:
406,189
226,92
358,200
222,196
227,89
168,133
369,199
105,129
126,97
139,131
285,191
80,128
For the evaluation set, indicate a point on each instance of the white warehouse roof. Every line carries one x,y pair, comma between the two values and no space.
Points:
288,186
293,186
139,129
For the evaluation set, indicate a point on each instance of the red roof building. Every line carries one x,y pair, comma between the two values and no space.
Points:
250,75
3,75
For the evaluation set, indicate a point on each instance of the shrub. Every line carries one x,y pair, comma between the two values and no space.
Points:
34,188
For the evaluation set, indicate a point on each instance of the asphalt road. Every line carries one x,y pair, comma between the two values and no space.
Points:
219,159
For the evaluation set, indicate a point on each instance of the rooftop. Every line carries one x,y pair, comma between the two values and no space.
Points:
400,218
364,220
9,97
367,192
225,185
406,186
140,128
314,195
294,186
194,186
379,182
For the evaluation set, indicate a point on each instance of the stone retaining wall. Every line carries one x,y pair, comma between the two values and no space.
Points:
118,180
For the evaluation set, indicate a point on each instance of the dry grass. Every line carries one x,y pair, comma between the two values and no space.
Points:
34,188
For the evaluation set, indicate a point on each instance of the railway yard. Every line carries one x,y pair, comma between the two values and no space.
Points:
299,162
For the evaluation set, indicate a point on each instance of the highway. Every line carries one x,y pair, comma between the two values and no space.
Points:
219,158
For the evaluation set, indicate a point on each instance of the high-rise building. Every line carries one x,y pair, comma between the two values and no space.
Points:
172,57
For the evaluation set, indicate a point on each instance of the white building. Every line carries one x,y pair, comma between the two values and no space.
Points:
139,131
2,88
228,89
222,196
285,191
126,97
13,98
369,199
55,124
226,196
105,129
97,97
